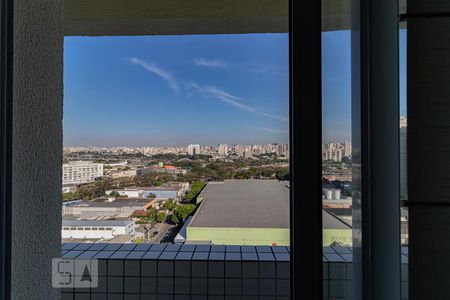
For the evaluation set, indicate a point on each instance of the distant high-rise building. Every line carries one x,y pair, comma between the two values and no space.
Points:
329,154
338,155
223,149
248,154
347,149
78,172
403,158
283,149
403,122
194,149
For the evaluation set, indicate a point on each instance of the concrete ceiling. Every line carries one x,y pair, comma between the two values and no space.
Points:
168,17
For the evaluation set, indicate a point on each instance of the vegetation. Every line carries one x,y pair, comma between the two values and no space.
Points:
114,194
151,196
139,240
200,169
152,216
181,212
160,217
70,196
170,204
331,166
196,188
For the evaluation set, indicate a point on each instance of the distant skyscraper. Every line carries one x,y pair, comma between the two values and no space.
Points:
403,158
248,154
347,149
194,149
223,149
338,156
403,122
283,149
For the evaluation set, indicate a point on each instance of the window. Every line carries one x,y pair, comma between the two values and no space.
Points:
97,192
337,152
403,129
198,122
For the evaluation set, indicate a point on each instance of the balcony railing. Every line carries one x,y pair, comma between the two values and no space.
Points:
168,271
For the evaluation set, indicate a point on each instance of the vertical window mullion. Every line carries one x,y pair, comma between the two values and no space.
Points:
306,147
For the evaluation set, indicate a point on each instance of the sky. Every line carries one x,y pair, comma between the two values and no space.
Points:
205,89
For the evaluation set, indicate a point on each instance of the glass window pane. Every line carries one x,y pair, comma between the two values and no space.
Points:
337,150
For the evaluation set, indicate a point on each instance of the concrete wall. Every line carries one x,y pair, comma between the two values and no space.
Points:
429,148
37,146
239,236
343,236
148,17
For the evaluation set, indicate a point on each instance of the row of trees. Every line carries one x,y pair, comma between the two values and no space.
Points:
196,188
153,215
179,212
70,196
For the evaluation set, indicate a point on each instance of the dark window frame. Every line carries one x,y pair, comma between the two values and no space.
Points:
305,83
306,165
305,60
6,86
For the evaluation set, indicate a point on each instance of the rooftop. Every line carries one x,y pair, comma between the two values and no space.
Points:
95,223
244,204
118,202
151,188
250,204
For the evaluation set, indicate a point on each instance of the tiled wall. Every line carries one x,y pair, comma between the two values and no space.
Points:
184,272
176,272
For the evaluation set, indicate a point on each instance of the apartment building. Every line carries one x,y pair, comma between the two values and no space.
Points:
78,172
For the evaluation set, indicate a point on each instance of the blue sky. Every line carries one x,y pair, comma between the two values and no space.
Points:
207,89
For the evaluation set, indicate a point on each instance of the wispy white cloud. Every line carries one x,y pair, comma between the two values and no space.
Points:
238,102
210,63
273,130
271,70
158,71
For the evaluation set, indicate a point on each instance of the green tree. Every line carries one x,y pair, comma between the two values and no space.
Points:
139,240
70,196
181,212
170,204
103,185
151,196
160,217
196,188
114,194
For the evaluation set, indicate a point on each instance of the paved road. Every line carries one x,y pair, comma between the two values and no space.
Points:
162,229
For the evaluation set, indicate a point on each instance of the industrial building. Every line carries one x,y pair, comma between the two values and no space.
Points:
174,191
105,207
252,212
104,229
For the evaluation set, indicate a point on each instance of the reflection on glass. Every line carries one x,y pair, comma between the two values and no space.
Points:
337,147
404,237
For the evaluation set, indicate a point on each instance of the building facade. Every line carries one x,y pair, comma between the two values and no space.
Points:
81,229
79,172
194,149
223,149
